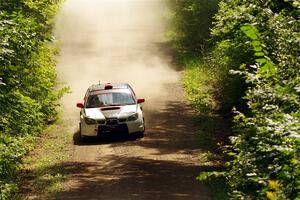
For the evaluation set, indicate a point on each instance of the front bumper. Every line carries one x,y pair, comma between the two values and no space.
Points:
112,126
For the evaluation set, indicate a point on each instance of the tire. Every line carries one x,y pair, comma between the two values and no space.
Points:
140,134
144,125
81,138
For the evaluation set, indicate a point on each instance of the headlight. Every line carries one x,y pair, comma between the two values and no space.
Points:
89,121
133,117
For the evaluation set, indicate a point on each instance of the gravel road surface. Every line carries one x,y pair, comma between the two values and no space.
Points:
123,41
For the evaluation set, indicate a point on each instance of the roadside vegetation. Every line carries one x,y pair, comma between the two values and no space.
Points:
241,62
28,89
42,171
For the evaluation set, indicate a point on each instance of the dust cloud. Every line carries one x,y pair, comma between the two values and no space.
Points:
113,41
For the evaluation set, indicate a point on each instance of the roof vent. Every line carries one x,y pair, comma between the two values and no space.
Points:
108,86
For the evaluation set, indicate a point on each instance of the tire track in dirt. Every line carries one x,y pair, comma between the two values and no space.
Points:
123,41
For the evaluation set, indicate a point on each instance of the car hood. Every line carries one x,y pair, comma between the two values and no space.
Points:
110,112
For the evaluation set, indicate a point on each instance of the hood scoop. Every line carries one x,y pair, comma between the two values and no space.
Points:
110,108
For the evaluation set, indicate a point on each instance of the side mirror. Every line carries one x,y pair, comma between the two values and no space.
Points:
140,100
79,105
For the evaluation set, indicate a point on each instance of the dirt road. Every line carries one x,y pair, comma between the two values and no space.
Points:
123,41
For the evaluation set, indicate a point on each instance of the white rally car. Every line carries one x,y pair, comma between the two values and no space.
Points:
111,109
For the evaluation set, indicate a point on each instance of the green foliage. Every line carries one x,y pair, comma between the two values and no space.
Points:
258,43
191,21
217,182
201,84
198,83
11,151
208,82
266,148
28,96
46,167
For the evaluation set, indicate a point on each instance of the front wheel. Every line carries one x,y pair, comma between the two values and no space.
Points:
140,134
81,137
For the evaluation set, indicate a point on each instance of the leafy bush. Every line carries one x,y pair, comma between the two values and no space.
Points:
209,84
190,35
258,42
11,151
27,95
266,149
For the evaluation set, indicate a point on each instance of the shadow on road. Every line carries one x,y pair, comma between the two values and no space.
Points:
102,140
142,179
162,165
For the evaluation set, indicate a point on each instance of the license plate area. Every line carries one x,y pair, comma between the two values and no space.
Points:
108,129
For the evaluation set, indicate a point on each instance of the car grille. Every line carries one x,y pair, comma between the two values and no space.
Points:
101,121
121,120
112,121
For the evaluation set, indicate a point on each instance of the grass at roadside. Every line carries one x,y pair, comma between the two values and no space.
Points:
41,174
200,84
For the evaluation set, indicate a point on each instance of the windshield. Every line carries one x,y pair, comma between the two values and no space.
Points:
109,99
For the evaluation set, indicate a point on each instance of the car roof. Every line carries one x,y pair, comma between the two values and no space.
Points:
111,91
101,86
